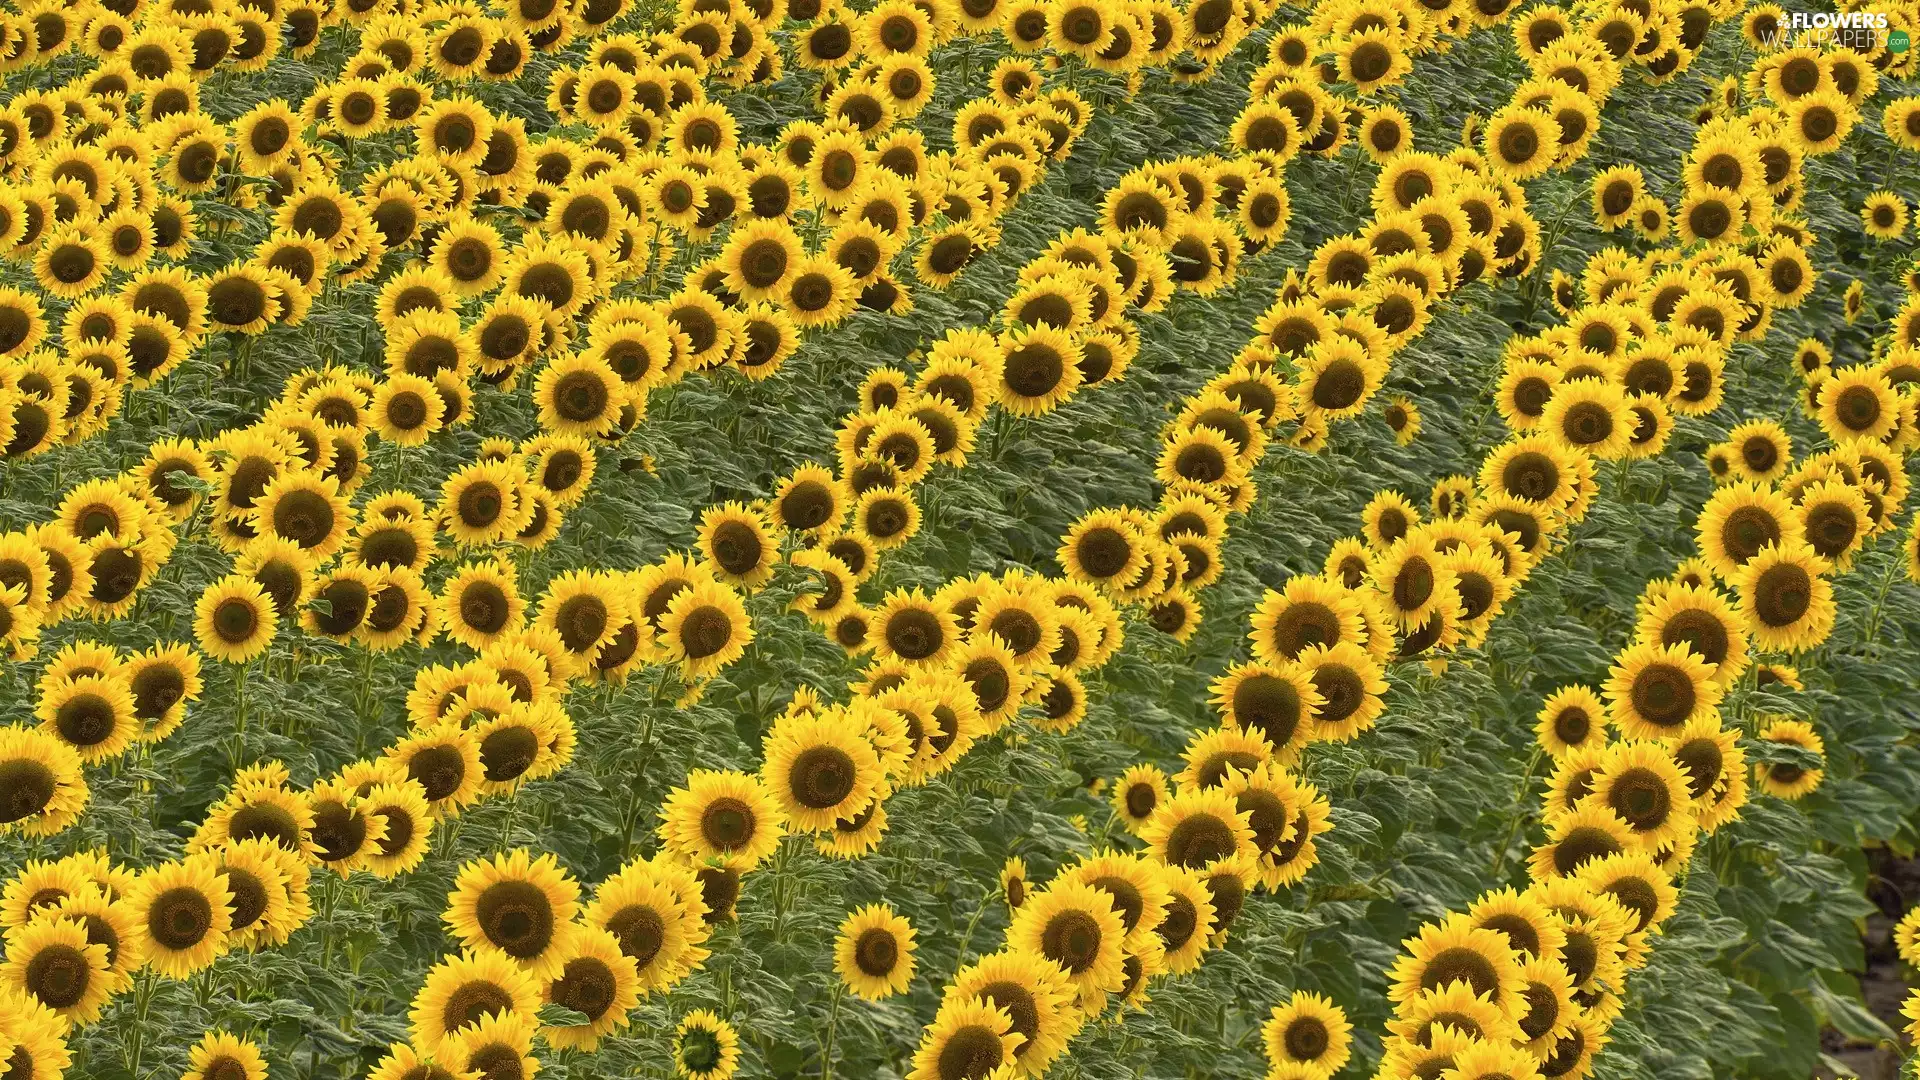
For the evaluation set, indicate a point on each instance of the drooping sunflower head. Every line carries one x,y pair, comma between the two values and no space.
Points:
705,1047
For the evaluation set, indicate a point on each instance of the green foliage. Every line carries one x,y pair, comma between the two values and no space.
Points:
1435,806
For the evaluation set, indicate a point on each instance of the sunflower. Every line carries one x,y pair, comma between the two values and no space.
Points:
1307,1035
1791,779
1387,518
51,961
1492,1060
705,628
518,905
759,258
579,394
526,742
257,810
444,760
1275,700
874,953
1286,814
42,790
1572,717
22,323
222,1056
1521,143
1137,794
1636,884
93,714
462,992
1187,922
269,888
342,833
1075,926
705,1047
1411,581
1198,827
1339,377
1715,768
1212,757
1762,449
480,503
306,509
1858,403
722,815
40,887
1372,59
71,263
1785,597
1643,786
1039,369
108,921
1102,548
1741,520
1704,621
1454,951
399,818
1531,467
654,911
911,628
235,620
1587,831
885,518
1656,688
183,914
597,980
1446,1020
1530,928
407,411
345,597
1884,215
818,770
737,543
1819,122
1349,683
1034,993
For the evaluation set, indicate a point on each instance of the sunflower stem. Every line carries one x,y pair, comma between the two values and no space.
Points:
636,802
781,896
966,939
506,826
833,1022
1880,598
142,1003
240,711
1515,816
653,258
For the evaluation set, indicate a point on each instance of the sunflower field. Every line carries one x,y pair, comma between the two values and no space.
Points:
958,539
